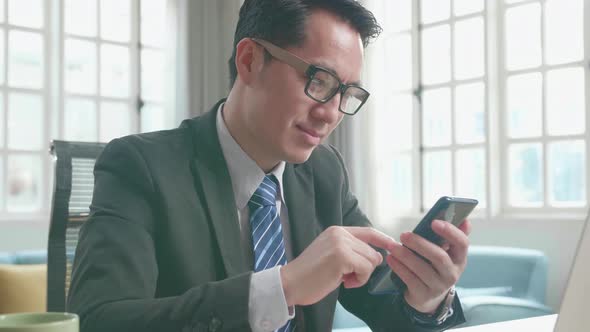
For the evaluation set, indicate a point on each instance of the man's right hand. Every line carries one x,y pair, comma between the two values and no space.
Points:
338,255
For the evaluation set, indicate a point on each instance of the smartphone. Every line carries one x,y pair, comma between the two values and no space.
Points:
450,209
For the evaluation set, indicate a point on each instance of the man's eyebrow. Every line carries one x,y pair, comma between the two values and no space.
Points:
331,70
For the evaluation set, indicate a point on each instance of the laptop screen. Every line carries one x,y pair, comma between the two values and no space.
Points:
575,300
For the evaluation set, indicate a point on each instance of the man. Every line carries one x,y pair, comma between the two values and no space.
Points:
240,219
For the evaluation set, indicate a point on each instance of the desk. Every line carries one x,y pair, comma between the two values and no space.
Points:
537,324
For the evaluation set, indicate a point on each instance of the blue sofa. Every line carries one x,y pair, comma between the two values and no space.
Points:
24,257
499,284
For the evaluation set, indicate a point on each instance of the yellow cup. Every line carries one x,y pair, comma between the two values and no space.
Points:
40,322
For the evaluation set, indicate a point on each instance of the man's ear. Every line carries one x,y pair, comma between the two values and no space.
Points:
249,60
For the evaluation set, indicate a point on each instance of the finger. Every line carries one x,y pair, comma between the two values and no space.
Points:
362,270
411,280
365,251
372,236
426,272
457,239
466,227
438,258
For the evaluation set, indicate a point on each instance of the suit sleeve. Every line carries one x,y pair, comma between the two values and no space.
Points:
115,271
380,312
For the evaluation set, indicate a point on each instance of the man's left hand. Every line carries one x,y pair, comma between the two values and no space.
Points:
428,283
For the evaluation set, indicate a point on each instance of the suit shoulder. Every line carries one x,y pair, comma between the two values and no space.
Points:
158,144
326,156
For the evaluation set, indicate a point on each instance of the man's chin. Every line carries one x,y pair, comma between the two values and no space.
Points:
299,157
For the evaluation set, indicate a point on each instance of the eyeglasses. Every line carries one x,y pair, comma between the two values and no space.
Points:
322,85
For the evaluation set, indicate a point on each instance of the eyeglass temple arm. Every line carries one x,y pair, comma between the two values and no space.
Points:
283,55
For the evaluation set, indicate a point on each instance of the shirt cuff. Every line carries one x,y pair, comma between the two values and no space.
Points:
267,306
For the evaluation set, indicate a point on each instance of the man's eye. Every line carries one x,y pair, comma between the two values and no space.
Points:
319,82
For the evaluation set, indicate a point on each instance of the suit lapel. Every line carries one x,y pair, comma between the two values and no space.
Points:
300,199
213,185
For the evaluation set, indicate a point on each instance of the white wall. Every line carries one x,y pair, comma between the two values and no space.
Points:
23,235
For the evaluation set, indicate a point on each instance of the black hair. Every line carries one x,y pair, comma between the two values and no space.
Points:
282,22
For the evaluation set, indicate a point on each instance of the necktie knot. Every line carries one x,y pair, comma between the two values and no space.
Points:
266,193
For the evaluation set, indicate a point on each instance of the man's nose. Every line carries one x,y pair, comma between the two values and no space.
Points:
328,112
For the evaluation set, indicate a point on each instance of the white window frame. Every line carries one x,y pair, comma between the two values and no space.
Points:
496,148
5,89
451,84
502,73
54,95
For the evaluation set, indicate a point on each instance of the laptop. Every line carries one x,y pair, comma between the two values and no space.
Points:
573,312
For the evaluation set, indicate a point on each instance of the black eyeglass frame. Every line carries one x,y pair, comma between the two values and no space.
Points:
310,70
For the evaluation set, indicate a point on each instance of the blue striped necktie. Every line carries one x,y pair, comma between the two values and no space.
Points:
267,233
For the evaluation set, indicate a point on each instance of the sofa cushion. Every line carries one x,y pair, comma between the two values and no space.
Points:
23,288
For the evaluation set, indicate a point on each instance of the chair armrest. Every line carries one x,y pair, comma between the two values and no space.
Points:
489,309
516,272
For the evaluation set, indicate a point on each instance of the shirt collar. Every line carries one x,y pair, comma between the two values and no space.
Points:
245,174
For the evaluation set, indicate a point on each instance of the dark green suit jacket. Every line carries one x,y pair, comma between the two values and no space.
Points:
161,250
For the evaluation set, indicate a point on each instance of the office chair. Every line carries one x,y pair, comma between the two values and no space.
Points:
70,207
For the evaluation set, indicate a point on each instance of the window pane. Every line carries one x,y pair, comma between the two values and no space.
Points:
564,31
80,120
115,120
114,76
436,117
523,36
436,55
2,47
153,22
565,101
437,179
398,15
115,20
398,52
469,48
513,1
471,174
394,185
27,13
25,122
393,124
24,183
524,99
526,175
402,182
1,20
25,59
152,118
470,113
152,75
400,122
3,189
80,17
80,66
464,7
1,126
434,10
567,173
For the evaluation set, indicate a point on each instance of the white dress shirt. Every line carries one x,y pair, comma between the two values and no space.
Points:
267,306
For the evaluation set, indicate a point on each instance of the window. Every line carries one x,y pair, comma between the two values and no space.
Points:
545,101
74,70
482,99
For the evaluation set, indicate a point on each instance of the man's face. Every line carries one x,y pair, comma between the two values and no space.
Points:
285,122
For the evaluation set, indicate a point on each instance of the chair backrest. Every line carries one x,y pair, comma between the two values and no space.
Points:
70,207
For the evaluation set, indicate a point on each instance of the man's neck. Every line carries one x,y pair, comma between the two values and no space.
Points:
233,122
